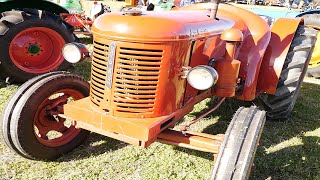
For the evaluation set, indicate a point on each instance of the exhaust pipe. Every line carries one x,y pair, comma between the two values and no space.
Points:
214,9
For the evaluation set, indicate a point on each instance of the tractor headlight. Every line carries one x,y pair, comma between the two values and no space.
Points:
75,52
202,77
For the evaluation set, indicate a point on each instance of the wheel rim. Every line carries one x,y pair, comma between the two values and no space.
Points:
50,129
37,50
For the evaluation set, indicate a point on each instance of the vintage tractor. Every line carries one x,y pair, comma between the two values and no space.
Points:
148,71
32,34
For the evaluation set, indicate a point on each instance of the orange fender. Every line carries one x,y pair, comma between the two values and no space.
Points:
251,51
282,33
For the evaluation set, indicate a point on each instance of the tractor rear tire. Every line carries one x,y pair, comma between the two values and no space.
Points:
236,154
280,105
33,131
31,43
313,20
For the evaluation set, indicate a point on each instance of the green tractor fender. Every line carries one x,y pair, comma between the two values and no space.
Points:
7,5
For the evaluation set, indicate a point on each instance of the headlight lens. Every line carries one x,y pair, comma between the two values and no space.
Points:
202,77
75,52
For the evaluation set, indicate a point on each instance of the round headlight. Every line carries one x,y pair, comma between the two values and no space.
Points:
202,77
74,52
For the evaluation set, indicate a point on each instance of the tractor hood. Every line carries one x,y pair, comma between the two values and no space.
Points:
159,26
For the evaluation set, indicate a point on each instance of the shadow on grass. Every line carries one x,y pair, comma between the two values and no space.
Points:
224,114
82,69
2,84
289,148
95,145
291,160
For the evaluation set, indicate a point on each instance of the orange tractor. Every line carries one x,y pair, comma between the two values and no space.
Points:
149,69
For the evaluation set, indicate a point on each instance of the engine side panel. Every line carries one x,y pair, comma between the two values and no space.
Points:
281,37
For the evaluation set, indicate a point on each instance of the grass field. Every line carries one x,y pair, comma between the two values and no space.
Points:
288,150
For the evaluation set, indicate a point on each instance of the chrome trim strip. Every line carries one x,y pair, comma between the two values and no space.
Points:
112,54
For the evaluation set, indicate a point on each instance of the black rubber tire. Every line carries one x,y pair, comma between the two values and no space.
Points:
236,153
24,140
313,20
6,117
13,22
314,72
280,105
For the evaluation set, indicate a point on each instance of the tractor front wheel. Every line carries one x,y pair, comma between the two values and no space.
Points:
6,118
34,126
237,151
31,44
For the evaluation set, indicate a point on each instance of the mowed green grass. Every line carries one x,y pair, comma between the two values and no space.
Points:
288,150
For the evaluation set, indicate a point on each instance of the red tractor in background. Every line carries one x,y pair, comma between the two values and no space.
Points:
81,22
32,34
148,71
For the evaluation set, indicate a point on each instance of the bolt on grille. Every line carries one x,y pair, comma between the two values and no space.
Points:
98,72
137,74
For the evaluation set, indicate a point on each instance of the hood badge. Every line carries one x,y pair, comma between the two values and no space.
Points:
111,59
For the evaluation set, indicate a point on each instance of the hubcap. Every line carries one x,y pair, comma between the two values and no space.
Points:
34,49
51,129
37,50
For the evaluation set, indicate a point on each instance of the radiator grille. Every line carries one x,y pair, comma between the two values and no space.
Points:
98,72
137,76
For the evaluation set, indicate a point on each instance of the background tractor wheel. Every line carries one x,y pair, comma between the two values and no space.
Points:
31,43
240,142
35,131
280,105
313,20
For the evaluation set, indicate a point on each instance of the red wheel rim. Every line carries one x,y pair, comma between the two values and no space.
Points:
50,129
37,50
